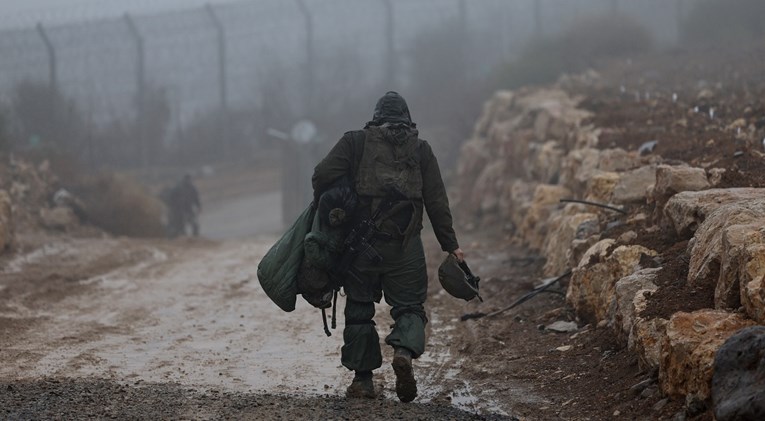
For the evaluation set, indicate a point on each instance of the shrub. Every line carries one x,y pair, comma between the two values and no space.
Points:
120,206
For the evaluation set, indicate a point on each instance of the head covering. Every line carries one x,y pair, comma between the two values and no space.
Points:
391,108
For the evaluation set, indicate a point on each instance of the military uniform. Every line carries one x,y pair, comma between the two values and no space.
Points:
388,155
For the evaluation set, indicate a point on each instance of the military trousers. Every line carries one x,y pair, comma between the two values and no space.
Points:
402,279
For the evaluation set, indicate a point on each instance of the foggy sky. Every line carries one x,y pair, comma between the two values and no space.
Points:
25,13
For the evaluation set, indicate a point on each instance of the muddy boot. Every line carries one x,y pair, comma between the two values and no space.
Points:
406,386
362,386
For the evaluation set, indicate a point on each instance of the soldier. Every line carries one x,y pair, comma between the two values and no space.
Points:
184,206
388,155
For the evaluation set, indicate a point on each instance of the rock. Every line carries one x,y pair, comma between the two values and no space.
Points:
689,347
741,247
578,167
722,235
600,188
564,348
638,388
515,201
6,221
646,338
752,279
495,109
488,186
672,180
617,160
558,243
546,164
627,237
687,210
625,307
633,185
715,176
658,406
58,218
739,376
592,286
534,227
562,327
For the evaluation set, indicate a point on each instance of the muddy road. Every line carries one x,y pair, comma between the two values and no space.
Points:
182,329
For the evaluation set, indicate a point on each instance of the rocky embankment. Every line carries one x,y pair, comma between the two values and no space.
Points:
675,276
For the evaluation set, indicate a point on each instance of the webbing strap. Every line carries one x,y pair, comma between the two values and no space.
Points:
334,311
324,319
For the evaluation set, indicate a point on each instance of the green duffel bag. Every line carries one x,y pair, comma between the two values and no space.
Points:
278,271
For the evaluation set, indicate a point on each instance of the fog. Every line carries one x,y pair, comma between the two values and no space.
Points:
182,85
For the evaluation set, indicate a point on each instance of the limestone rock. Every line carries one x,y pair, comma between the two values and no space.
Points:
564,230
515,201
671,180
738,379
625,306
617,160
592,285
600,187
716,239
546,164
741,244
753,282
495,109
646,338
578,167
6,221
633,185
689,348
687,210
58,218
546,199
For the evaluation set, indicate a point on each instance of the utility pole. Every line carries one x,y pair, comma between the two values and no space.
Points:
52,74
222,80
140,76
52,60
309,53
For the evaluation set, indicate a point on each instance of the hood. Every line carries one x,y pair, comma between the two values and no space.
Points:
391,108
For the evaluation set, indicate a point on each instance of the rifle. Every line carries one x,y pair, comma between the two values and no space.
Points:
359,242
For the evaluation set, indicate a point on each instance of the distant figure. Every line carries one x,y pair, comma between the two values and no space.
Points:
183,208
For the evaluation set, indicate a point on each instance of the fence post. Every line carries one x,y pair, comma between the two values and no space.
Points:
52,72
52,59
140,76
222,79
309,52
390,45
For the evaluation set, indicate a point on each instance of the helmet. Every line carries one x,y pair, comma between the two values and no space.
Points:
457,279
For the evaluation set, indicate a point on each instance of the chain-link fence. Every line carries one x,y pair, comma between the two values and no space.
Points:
231,55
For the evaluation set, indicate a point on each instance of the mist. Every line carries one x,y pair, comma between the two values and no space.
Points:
162,88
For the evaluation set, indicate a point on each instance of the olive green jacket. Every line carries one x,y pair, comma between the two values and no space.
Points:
344,159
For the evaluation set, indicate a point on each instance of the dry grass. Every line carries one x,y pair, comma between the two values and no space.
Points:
120,206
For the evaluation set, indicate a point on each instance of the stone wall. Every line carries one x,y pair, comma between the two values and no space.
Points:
534,147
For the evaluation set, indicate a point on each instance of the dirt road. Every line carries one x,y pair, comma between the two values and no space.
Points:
185,317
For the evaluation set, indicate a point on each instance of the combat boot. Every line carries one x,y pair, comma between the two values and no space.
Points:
362,386
406,385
